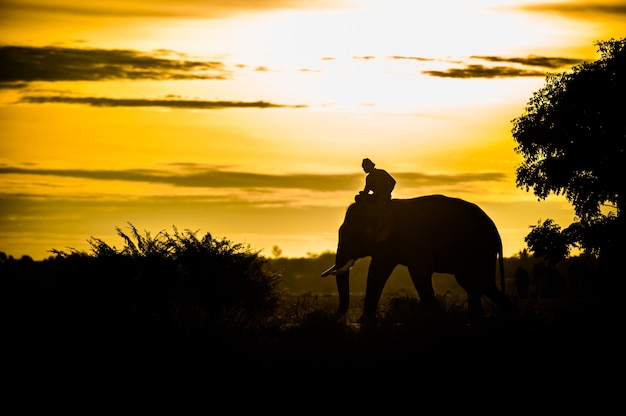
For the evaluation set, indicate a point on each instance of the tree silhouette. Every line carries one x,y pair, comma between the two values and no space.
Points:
573,137
547,240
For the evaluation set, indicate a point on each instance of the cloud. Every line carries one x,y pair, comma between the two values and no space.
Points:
411,58
22,64
427,179
215,177
529,66
50,63
533,60
482,71
585,10
158,8
163,103
200,177
13,85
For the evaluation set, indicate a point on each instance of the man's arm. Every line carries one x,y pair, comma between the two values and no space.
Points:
368,184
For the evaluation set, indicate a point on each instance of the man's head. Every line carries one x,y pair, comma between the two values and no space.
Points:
368,165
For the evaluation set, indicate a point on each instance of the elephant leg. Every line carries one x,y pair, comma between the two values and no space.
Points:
475,305
474,287
423,282
377,275
502,302
343,288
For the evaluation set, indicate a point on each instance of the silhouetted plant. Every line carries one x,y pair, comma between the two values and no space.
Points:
546,240
549,283
582,277
521,281
571,136
176,281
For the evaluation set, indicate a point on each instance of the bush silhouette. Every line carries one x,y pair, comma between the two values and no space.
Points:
169,283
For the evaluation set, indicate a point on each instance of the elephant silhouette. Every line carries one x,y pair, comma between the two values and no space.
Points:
428,234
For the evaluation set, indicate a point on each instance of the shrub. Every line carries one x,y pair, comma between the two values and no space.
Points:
168,282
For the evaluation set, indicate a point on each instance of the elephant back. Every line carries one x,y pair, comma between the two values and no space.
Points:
440,218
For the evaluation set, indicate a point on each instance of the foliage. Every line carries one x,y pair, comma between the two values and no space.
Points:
573,133
573,140
167,282
546,240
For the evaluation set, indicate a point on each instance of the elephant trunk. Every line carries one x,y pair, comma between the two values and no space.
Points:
345,259
341,271
342,275
343,290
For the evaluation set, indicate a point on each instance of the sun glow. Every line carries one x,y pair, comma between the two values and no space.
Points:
274,92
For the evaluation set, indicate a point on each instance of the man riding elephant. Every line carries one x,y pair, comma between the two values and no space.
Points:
378,187
378,183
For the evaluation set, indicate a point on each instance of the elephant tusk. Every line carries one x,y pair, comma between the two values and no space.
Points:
345,267
335,271
329,271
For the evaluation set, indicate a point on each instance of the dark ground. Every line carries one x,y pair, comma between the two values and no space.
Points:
558,336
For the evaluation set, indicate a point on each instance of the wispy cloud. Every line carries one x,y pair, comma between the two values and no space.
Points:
428,179
50,63
551,62
198,177
13,85
20,65
159,8
616,9
215,177
410,58
162,103
482,71
513,67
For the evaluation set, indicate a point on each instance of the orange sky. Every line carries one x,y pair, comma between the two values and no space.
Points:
249,119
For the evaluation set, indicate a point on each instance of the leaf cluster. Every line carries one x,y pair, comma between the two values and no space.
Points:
171,278
573,134
573,140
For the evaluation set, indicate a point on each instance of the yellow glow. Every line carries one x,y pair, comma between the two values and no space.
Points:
358,69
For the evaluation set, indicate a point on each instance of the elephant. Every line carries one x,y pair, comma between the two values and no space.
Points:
428,234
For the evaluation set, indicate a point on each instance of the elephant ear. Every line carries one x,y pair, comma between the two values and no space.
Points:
370,221
359,225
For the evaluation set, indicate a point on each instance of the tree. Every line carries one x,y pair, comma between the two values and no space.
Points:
276,251
573,138
546,240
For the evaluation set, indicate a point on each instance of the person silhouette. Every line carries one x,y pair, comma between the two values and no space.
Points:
378,183
378,187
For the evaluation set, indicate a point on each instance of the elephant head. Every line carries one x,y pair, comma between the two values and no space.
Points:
427,234
357,239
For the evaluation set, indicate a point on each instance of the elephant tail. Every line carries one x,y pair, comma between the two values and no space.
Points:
501,261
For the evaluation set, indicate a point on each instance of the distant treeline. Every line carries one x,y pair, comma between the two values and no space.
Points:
525,277
201,265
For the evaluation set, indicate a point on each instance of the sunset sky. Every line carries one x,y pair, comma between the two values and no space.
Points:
249,119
